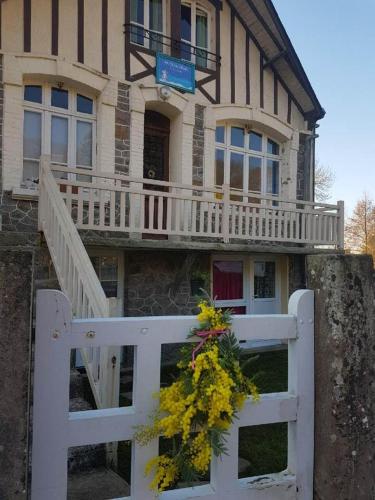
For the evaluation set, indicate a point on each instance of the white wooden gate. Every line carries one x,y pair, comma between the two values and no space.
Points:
55,429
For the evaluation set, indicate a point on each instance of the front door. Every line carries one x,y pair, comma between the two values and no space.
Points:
156,147
155,168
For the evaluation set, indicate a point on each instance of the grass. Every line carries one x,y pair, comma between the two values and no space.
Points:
264,447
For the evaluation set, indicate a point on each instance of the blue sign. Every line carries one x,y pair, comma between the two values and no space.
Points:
175,73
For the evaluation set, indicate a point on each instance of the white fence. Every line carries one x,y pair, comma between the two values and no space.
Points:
55,429
112,202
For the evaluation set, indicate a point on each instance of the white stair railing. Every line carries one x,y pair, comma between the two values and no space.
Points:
78,280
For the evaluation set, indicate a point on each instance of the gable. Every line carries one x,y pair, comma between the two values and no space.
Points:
264,26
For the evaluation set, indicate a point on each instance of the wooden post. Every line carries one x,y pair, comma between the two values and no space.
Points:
51,378
226,208
301,384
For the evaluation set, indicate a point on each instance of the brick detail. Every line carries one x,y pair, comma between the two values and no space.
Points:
198,146
122,130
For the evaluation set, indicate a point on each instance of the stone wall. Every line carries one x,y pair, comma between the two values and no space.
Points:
344,376
159,283
198,146
122,130
16,277
18,215
301,167
1,121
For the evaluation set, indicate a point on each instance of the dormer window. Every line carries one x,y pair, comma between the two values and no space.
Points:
194,34
147,23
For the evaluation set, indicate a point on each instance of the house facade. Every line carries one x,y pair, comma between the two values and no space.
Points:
171,187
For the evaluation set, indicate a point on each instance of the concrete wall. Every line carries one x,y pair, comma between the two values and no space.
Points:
16,278
344,376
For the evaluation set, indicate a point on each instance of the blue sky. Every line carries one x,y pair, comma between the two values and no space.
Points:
335,41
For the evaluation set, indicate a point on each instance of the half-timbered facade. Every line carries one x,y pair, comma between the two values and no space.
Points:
170,189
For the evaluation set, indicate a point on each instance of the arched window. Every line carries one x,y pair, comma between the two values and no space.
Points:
58,122
194,33
247,160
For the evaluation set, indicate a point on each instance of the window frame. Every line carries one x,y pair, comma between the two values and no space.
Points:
248,279
146,25
47,112
194,6
263,155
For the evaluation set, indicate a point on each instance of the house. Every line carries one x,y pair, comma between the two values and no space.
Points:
167,144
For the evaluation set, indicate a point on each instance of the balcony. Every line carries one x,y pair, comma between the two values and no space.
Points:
157,209
153,42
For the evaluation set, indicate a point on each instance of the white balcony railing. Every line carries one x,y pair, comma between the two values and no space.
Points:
105,202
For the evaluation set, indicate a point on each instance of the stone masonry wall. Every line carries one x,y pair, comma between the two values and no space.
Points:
344,376
16,277
159,283
198,146
18,215
301,167
1,121
122,130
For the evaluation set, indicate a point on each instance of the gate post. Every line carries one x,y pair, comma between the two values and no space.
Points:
344,375
301,384
51,396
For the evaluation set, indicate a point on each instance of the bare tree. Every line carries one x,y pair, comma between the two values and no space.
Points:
324,179
360,227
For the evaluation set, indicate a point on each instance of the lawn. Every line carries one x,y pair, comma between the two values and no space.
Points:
263,448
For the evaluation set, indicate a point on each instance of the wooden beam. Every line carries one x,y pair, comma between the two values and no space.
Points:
55,27
271,61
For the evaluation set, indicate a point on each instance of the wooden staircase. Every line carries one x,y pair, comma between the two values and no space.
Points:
79,281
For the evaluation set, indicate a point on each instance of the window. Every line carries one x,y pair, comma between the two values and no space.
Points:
247,284
228,284
247,160
106,268
58,122
147,15
194,34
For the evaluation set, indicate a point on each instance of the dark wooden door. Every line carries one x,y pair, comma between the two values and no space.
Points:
155,163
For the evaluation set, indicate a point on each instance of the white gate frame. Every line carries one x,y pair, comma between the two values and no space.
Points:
55,429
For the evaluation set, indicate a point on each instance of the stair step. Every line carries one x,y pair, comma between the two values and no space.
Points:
86,458
76,386
98,484
79,404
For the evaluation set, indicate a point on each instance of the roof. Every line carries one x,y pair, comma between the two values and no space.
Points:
267,30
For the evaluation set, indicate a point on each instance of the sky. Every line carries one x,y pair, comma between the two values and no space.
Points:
335,41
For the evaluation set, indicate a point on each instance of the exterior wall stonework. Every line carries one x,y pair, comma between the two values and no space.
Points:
1,120
198,146
158,284
18,215
301,168
122,130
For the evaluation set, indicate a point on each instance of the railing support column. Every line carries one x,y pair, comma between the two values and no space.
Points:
226,208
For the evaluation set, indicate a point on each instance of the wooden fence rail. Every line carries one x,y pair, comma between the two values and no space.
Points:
55,429
106,202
